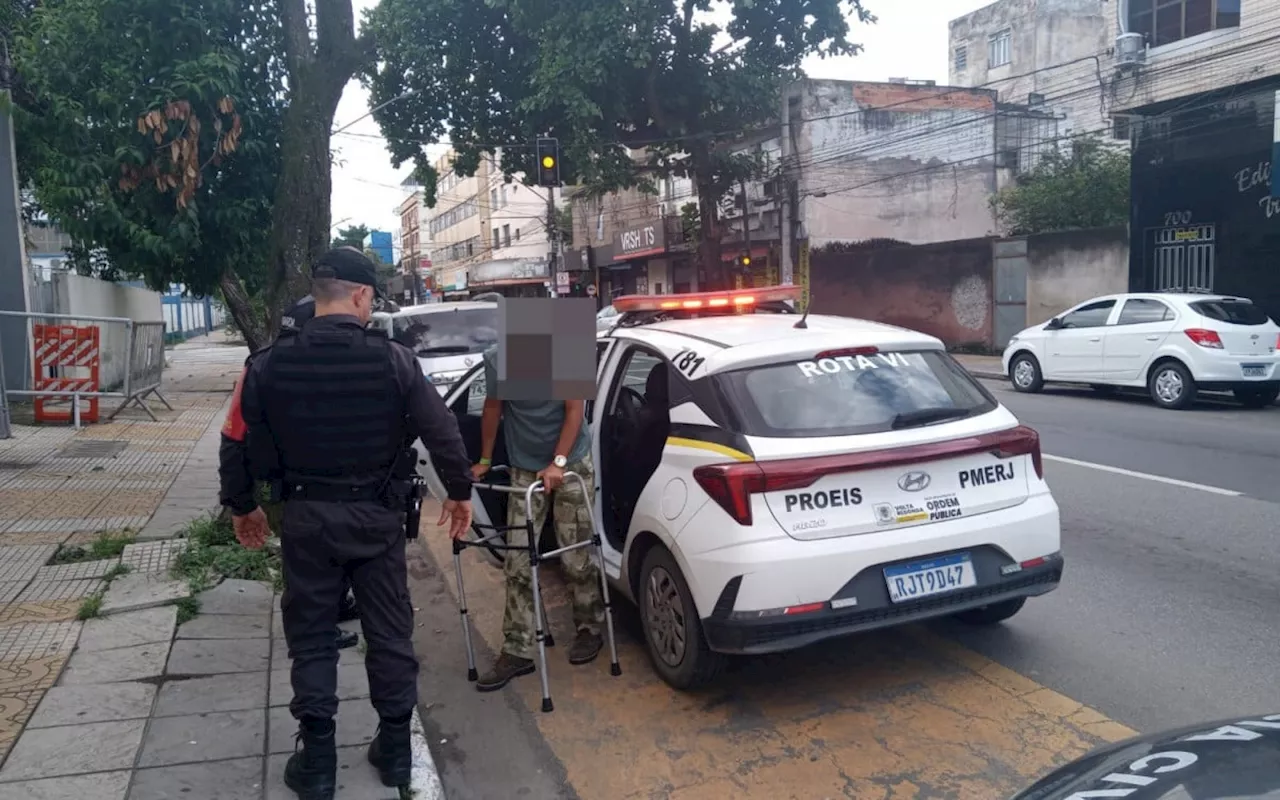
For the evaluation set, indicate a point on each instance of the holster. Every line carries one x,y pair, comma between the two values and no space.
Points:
413,514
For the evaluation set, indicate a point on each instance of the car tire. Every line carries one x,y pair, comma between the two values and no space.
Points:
1171,385
1257,398
666,611
992,614
1024,374
1104,388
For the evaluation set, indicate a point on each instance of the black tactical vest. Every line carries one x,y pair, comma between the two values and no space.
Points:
335,411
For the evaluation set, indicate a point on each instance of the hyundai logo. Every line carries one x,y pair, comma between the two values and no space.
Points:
914,482
469,361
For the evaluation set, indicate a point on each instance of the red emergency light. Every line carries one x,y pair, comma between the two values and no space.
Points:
696,301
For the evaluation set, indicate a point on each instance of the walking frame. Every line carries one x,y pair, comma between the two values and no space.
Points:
542,633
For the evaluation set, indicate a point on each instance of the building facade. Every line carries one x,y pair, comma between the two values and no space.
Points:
631,242
1202,111
1041,54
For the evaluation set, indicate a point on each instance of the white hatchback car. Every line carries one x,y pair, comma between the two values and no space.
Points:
1171,344
767,480
448,338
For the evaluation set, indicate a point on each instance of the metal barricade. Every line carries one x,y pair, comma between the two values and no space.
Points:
129,363
5,430
145,368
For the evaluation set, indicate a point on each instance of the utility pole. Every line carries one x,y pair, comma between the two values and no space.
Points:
744,268
553,238
15,283
784,188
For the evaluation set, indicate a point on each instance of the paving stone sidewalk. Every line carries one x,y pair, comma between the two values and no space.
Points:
130,705
60,486
149,710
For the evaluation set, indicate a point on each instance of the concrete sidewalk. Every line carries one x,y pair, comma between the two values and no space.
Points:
130,705
981,366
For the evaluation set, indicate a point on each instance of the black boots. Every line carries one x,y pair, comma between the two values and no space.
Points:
312,772
391,753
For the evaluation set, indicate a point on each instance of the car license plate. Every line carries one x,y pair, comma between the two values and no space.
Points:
925,578
1254,370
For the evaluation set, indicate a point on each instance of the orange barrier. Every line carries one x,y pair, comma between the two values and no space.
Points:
66,360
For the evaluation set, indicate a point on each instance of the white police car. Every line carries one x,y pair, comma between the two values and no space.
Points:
767,480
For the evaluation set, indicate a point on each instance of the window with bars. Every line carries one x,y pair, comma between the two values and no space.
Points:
998,49
1166,21
962,58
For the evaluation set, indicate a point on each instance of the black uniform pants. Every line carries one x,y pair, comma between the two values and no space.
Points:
323,545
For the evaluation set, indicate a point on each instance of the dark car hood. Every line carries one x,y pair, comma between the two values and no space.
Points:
1234,759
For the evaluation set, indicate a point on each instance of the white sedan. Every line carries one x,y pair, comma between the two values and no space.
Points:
1173,345
767,480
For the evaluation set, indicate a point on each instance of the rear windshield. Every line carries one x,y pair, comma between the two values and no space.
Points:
852,394
1236,312
443,333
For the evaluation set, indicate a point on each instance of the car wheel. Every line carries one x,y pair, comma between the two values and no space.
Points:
1103,388
992,614
1257,398
672,630
1171,385
1024,373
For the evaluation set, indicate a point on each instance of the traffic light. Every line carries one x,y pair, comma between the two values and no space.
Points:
743,261
548,152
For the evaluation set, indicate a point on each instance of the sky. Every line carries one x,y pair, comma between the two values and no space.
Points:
909,40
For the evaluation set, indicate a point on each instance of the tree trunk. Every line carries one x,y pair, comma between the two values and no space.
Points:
709,224
300,231
319,68
256,329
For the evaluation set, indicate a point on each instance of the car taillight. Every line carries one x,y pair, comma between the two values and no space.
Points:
731,485
1025,442
1204,338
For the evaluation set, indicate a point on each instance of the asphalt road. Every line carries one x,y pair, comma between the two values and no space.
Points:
1168,609
1167,615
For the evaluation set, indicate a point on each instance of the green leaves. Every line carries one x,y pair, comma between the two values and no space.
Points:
1086,187
150,133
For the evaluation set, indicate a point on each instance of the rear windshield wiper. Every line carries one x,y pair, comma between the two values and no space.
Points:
448,349
924,416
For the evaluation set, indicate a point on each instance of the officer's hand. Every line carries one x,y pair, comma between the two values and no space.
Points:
458,513
251,529
478,471
551,477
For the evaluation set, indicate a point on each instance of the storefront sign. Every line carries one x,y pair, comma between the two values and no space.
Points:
509,269
454,280
643,240
1275,147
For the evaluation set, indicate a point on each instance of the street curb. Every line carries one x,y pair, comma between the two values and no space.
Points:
425,784
988,374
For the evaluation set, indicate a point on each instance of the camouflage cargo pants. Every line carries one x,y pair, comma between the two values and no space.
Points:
572,525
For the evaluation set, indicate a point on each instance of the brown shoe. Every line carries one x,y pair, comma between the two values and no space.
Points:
586,646
504,669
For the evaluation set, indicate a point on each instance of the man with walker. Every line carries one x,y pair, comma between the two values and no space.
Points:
544,439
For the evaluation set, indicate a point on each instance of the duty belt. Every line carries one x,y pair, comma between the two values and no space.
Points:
336,493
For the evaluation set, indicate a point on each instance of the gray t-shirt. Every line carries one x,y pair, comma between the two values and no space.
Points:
532,427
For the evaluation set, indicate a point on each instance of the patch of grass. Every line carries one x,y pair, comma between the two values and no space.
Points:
188,609
108,544
90,607
212,554
117,571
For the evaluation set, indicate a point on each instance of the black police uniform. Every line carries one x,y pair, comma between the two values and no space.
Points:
330,413
237,489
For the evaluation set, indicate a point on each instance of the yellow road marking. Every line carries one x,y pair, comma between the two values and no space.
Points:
898,714
698,444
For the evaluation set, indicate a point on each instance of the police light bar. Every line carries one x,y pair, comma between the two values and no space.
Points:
696,301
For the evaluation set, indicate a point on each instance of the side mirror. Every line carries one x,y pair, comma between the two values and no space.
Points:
1053,324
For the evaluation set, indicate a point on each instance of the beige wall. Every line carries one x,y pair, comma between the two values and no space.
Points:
89,297
1069,268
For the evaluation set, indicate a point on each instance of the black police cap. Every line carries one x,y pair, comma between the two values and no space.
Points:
298,315
347,264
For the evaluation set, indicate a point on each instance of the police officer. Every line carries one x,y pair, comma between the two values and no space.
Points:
237,485
330,414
